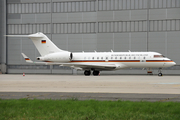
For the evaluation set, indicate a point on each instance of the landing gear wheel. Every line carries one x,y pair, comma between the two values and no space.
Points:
160,74
87,72
95,73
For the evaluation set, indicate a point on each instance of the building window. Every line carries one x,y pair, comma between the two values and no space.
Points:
43,7
74,6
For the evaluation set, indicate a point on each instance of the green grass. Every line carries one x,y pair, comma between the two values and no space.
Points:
25,109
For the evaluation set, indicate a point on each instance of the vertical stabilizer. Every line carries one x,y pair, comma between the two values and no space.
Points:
44,44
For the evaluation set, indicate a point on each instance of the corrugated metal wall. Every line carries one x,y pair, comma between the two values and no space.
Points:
88,25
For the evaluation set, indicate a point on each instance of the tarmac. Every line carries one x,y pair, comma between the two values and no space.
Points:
105,87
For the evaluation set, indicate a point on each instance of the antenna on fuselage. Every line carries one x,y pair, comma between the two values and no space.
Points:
112,51
129,50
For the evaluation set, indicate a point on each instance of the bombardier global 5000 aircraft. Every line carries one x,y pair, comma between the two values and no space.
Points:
94,61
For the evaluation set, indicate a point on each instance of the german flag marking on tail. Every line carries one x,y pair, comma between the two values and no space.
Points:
43,41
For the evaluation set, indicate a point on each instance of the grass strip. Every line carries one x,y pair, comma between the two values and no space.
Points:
25,109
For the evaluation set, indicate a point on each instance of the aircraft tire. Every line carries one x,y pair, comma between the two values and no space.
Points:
95,73
160,74
87,72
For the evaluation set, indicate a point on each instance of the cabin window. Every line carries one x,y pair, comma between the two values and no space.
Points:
101,57
115,57
97,57
106,58
93,58
129,57
134,57
144,57
120,57
84,57
111,58
124,57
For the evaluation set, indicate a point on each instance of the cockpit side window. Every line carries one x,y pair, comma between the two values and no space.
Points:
159,56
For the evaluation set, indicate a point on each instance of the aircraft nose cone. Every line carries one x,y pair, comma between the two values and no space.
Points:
173,63
169,64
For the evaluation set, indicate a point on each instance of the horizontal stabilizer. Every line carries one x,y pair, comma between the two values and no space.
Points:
27,58
29,36
30,61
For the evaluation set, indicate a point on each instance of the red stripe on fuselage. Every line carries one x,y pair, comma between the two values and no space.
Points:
88,61
115,61
106,61
121,61
159,61
48,61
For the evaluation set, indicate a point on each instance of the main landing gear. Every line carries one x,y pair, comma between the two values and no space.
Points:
88,72
95,73
160,74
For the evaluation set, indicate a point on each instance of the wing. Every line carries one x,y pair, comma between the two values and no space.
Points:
90,66
80,66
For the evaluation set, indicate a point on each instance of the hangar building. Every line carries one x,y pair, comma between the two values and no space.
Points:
88,25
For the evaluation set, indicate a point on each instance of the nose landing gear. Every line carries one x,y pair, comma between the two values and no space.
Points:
160,74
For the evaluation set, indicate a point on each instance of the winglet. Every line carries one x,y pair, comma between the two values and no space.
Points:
27,58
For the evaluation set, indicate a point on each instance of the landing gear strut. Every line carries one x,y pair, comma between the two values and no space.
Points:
160,74
95,73
87,72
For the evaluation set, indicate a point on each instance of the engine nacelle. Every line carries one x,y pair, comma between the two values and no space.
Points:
57,57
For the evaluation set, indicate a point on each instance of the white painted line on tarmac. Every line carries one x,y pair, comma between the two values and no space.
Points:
166,83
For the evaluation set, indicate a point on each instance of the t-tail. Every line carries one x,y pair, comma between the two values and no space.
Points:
43,44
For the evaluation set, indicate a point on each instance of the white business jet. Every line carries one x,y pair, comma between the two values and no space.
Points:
94,61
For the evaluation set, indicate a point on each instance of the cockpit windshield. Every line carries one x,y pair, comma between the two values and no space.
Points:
159,56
